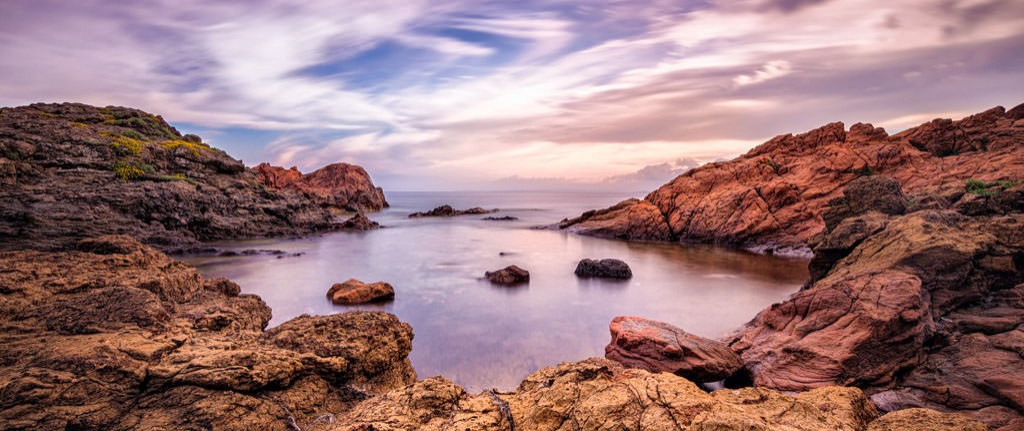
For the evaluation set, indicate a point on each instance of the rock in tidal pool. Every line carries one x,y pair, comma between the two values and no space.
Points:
353,291
510,275
604,268
657,346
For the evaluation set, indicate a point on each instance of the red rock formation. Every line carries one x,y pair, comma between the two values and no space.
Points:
772,198
656,346
922,309
338,185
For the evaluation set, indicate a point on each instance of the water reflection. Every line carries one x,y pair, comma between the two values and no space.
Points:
482,335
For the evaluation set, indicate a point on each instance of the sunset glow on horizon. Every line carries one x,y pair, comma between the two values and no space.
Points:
458,95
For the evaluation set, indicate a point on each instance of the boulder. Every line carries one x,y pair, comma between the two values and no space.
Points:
509,275
661,347
604,268
353,291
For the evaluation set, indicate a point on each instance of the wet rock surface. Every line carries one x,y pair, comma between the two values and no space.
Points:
657,346
509,275
130,339
353,291
448,211
604,268
772,199
72,171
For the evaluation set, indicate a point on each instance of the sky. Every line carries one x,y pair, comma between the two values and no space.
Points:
514,95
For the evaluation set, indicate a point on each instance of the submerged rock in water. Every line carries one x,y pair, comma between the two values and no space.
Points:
503,218
353,291
448,211
604,268
509,275
360,222
657,346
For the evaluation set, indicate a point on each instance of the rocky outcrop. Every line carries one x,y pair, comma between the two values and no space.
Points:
72,171
118,336
338,186
602,395
448,211
772,198
657,346
921,309
359,222
502,218
604,268
353,291
509,275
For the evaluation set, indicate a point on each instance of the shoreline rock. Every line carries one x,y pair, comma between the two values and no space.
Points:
132,339
359,222
772,198
353,292
72,171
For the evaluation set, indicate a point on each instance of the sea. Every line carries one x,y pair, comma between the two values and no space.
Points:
485,336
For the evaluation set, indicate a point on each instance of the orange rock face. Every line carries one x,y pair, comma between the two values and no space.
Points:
338,185
657,346
353,291
772,198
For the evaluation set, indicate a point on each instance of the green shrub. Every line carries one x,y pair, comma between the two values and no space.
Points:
773,164
194,147
127,171
133,135
127,146
993,188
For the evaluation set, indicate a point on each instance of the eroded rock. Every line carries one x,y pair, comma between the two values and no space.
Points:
130,339
448,211
658,346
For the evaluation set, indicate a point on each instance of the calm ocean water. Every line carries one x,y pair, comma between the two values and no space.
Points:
486,336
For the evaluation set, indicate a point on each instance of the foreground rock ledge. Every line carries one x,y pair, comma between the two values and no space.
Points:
598,394
657,346
118,336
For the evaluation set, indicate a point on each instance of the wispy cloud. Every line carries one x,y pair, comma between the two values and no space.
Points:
461,93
